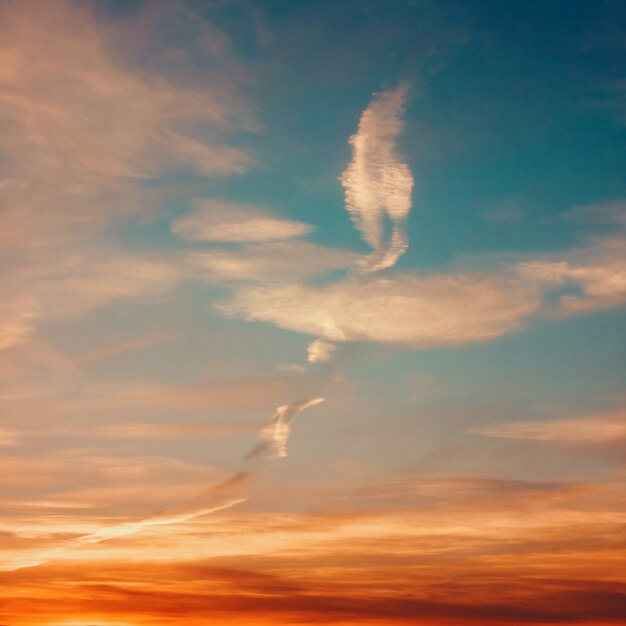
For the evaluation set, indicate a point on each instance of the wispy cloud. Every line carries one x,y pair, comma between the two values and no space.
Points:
489,552
595,276
272,443
278,261
154,430
111,351
76,283
223,496
8,437
377,182
81,116
611,213
88,120
590,429
273,438
221,221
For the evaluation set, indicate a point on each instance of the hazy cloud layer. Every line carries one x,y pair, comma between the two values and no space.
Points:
75,283
590,429
490,551
87,120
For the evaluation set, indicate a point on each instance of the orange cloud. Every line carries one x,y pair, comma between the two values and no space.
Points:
87,123
603,428
481,552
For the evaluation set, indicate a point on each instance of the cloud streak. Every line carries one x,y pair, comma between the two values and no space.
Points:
269,262
582,430
229,222
272,444
377,182
273,438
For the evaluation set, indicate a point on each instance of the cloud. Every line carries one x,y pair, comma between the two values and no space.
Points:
320,351
75,283
225,495
445,309
220,393
267,262
612,213
92,108
8,437
273,438
597,272
376,182
603,428
82,113
272,443
489,552
417,311
153,430
221,221
16,316
114,350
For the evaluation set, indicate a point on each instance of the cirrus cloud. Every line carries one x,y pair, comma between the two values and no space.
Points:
418,311
221,221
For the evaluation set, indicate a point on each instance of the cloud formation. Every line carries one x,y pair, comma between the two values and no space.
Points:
277,261
229,222
272,444
77,282
445,309
377,182
589,279
273,438
603,428
416,311
87,120
79,114
489,552
320,351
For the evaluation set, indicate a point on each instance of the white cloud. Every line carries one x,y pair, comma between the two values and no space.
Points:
376,182
221,221
417,311
320,351
273,438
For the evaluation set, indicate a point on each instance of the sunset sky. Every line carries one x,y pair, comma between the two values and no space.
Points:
312,312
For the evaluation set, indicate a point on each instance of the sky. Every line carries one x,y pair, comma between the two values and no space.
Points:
312,312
